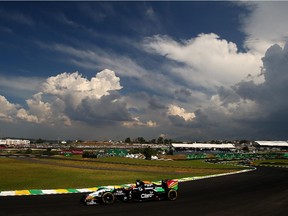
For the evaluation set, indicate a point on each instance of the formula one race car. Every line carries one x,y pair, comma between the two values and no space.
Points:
141,191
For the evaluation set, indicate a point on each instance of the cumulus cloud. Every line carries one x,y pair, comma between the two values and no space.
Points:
8,110
248,106
246,109
106,110
75,88
135,122
39,108
175,110
69,97
275,71
204,86
206,56
93,101
44,112
24,115
265,25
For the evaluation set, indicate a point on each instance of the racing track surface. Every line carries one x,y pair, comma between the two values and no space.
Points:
262,192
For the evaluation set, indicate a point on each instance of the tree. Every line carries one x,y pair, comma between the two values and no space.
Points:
48,152
170,151
160,140
167,141
148,152
243,141
40,140
29,151
245,149
128,140
141,140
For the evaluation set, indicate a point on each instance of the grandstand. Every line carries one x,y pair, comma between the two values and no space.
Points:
271,145
203,147
14,142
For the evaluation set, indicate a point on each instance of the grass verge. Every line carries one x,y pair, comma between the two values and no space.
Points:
272,162
21,174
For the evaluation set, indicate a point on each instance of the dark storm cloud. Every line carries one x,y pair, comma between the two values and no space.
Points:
183,94
274,89
247,110
227,95
200,121
270,119
106,110
155,103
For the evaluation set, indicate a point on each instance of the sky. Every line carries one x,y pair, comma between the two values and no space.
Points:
186,71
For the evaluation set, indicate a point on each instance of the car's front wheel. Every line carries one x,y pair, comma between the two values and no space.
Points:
108,198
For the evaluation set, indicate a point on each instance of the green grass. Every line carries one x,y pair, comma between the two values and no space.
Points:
21,174
272,162
175,163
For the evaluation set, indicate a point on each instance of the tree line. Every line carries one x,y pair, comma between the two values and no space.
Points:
141,140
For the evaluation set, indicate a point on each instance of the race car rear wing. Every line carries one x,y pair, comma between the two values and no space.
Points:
171,184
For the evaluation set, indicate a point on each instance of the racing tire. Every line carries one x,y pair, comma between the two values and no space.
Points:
172,195
108,198
86,201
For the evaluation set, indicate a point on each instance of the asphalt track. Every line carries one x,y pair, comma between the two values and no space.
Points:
262,192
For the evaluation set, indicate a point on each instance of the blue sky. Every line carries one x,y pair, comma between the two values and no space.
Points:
111,70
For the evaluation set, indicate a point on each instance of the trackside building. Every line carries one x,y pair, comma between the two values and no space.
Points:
203,147
15,143
271,145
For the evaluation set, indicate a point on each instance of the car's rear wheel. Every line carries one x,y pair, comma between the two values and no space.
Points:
108,198
172,195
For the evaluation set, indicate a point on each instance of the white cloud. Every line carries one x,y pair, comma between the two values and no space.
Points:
233,110
151,123
95,101
70,96
8,110
75,88
94,57
11,112
19,86
135,75
24,115
135,122
175,110
39,108
193,75
210,61
256,110
273,92
265,25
